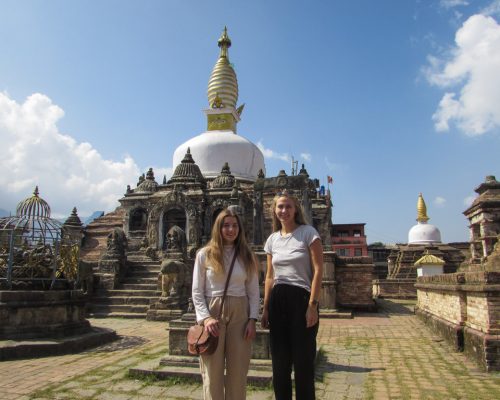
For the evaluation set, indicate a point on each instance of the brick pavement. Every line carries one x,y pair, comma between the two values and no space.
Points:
388,355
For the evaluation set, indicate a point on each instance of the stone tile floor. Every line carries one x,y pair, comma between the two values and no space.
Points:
385,355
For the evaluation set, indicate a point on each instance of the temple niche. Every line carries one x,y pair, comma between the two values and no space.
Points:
166,223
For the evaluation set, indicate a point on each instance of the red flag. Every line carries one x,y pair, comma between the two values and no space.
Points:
330,179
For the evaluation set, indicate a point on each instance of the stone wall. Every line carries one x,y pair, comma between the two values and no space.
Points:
354,276
465,309
394,288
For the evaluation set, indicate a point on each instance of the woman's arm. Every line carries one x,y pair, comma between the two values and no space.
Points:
316,252
252,289
198,294
268,286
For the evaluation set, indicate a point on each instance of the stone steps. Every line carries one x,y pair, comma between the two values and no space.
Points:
138,286
129,293
192,371
133,296
122,300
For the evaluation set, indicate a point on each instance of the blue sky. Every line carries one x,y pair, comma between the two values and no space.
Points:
391,98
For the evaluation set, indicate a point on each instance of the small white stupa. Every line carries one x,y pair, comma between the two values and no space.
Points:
220,144
423,233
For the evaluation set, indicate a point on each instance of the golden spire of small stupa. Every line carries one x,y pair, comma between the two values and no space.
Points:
421,209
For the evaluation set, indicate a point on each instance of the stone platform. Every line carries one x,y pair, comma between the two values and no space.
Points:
44,347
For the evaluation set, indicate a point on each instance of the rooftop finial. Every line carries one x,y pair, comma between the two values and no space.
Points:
421,209
224,43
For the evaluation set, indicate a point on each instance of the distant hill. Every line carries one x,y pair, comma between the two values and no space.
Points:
94,215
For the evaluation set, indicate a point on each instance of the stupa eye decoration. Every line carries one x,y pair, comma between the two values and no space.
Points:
36,251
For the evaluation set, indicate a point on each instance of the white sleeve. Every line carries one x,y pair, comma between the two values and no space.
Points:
253,293
198,288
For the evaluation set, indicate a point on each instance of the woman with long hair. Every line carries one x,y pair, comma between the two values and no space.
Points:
236,327
291,293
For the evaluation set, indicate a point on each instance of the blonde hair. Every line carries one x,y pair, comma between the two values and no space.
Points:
215,247
299,212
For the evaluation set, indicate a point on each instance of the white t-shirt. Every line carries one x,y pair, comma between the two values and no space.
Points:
206,283
291,256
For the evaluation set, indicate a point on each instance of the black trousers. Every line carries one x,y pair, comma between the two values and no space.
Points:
292,344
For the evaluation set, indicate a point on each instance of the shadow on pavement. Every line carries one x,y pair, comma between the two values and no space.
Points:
123,342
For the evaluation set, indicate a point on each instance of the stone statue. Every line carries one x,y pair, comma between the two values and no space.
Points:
175,240
173,274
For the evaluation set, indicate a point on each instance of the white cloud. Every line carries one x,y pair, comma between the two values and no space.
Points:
305,156
453,3
68,173
468,200
439,201
268,153
492,9
473,103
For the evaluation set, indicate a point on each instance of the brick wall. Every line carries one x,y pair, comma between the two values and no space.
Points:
354,276
469,304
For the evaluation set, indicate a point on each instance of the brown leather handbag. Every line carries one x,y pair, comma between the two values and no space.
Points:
202,342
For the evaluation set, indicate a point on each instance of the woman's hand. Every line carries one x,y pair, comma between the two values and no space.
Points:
264,321
312,315
211,326
250,330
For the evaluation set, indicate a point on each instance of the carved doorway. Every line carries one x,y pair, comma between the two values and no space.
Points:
173,217
138,219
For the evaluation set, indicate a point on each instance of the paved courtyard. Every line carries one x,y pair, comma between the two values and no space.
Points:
387,355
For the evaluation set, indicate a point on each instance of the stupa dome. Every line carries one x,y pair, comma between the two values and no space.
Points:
220,144
423,233
212,149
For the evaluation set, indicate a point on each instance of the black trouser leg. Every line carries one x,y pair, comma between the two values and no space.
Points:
291,343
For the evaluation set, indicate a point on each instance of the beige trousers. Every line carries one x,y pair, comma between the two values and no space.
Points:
232,354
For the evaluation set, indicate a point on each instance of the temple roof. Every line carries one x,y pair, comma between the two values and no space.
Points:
187,170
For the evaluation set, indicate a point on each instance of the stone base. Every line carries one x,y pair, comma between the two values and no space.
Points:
163,315
483,348
452,333
179,363
178,329
167,309
13,350
42,314
259,373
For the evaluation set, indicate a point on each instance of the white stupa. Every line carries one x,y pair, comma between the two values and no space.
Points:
220,143
423,233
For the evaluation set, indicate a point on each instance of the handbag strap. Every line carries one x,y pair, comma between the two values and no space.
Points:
227,284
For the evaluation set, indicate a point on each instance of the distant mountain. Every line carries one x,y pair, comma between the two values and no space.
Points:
94,215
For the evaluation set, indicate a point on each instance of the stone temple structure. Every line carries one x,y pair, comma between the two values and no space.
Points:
143,252
423,239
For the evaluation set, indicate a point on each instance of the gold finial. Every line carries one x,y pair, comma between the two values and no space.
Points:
421,209
36,192
224,43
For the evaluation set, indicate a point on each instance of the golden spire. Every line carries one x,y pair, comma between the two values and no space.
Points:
421,209
224,43
223,82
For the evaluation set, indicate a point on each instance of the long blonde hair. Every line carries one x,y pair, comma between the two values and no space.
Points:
215,247
299,212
